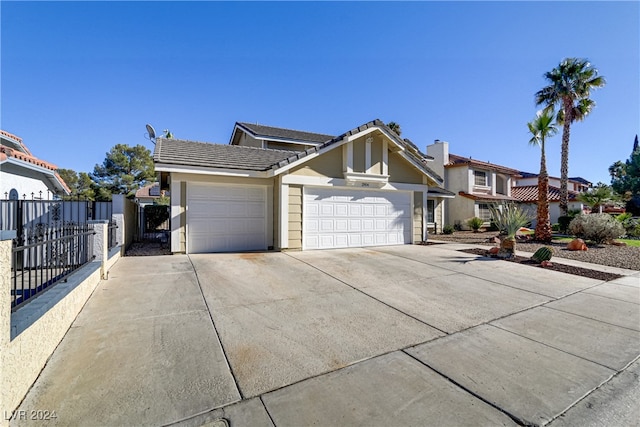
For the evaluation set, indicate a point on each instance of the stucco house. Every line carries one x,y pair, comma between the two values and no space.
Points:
24,176
275,188
476,184
526,192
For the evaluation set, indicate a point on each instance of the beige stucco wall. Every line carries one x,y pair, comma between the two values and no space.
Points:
417,217
400,170
295,217
249,141
376,156
328,164
276,216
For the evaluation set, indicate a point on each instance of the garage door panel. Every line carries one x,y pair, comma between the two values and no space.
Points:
224,218
335,218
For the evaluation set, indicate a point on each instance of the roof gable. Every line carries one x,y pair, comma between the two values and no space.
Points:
279,134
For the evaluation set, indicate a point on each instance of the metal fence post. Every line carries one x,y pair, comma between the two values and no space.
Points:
6,245
101,244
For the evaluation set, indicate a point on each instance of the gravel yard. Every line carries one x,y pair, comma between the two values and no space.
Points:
611,255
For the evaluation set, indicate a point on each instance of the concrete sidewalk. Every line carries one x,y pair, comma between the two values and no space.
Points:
403,335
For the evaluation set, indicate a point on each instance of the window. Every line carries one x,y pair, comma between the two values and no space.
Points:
483,212
13,194
431,209
480,178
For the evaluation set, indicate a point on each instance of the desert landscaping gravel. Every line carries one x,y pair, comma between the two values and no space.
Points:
614,256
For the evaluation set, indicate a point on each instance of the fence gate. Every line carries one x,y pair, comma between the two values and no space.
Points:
153,223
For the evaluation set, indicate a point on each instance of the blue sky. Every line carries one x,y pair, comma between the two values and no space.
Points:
80,77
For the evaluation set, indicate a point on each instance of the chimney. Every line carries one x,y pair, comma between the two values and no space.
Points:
439,150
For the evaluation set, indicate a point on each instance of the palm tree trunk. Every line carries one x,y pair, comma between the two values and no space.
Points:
543,223
564,159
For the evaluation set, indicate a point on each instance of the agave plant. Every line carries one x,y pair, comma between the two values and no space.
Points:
509,218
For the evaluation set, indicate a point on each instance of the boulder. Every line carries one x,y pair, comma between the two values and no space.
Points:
577,245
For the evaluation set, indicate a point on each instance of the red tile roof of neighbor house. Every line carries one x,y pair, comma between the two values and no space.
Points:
529,193
7,152
14,139
455,160
485,197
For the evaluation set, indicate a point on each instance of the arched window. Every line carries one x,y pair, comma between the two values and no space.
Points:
13,194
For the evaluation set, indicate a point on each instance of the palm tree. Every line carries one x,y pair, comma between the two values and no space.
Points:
569,88
395,127
542,127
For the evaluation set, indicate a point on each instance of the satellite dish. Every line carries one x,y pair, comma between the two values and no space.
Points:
151,133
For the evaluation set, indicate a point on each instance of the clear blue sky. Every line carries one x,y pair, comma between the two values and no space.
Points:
80,77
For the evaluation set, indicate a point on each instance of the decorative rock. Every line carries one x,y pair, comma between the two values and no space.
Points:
546,264
494,250
577,245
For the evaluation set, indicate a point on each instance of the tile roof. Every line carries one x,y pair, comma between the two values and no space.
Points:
485,197
282,133
7,152
190,153
13,141
529,193
574,179
149,191
455,160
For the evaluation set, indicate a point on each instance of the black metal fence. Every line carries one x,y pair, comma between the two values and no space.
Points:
113,241
153,223
46,255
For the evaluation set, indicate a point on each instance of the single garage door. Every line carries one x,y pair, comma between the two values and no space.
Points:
226,218
345,218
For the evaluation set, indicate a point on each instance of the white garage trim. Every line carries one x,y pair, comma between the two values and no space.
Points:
341,217
227,217
320,181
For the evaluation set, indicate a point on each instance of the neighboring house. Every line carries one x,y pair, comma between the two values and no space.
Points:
23,176
526,192
148,194
576,185
477,184
274,188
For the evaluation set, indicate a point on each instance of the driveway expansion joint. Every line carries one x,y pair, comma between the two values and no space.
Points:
215,330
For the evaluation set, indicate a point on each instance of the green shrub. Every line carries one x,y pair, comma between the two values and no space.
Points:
447,229
543,254
475,223
555,227
155,216
563,223
598,227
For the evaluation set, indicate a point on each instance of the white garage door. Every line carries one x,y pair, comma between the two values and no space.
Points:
343,218
226,218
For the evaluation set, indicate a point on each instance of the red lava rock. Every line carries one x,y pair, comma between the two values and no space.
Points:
494,250
546,264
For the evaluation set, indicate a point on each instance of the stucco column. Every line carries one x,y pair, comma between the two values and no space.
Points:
117,215
6,245
101,244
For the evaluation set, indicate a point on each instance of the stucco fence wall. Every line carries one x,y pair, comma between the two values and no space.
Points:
29,335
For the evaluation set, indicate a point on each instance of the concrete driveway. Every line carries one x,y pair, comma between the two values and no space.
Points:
403,335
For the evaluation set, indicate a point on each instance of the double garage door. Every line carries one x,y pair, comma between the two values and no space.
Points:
345,218
226,218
